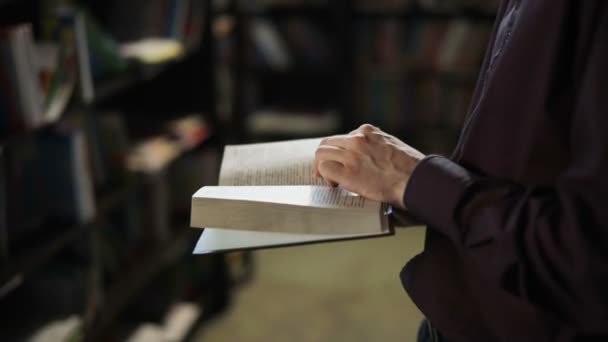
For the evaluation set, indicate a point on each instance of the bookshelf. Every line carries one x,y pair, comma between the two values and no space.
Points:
131,137
270,76
37,253
96,181
409,67
419,77
148,264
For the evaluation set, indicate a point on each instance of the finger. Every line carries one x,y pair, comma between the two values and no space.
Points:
325,154
316,160
371,133
340,141
365,129
347,158
356,142
332,171
328,152
331,153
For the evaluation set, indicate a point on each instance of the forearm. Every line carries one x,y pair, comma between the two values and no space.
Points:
543,244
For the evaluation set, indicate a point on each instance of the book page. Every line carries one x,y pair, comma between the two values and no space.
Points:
219,240
302,195
302,209
278,163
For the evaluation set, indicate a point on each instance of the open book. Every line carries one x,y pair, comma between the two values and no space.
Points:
269,196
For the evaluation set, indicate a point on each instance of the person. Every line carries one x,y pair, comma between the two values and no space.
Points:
517,239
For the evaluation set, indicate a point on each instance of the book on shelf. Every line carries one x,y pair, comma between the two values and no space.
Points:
307,42
109,143
268,196
22,96
102,56
176,18
68,181
417,72
456,41
103,53
179,20
37,78
85,72
447,45
68,26
185,21
49,181
281,44
388,102
433,39
270,48
4,252
58,71
155,203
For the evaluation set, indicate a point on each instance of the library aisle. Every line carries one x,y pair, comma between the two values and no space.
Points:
346,291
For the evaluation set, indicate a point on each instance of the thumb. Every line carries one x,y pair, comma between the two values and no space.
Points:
332,171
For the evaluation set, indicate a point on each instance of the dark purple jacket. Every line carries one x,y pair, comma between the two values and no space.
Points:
517,245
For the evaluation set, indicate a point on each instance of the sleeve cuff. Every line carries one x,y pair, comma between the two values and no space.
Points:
434,192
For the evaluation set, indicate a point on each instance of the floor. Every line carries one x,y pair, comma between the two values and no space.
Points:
345,291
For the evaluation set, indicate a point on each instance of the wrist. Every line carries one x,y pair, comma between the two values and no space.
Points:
398,191
405,179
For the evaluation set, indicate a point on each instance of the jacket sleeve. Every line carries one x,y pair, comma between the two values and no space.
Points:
548,245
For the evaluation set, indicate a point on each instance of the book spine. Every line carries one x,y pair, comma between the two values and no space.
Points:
4,247
32,77
157,206
193,25
178,19
59,177
270,46
171,19
26,78
93,140
83,184
4,103
84,60
8,82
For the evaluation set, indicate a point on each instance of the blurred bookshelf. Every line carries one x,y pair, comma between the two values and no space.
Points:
112,113
107,126
416,66
278,69
408,66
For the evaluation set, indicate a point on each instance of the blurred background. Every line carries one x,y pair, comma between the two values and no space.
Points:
113,112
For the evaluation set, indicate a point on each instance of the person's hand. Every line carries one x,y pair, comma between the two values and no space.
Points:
368,162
